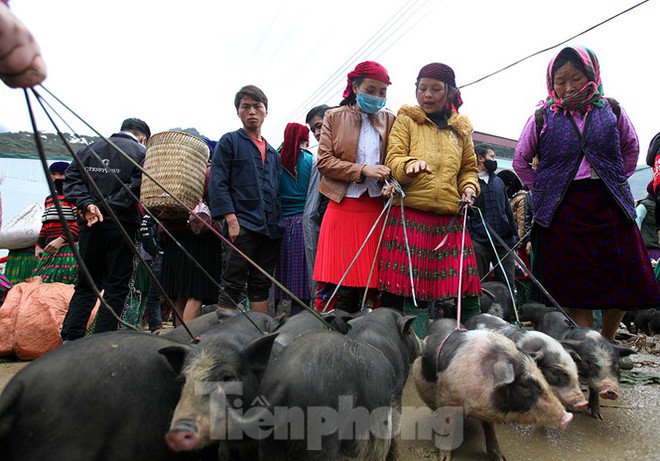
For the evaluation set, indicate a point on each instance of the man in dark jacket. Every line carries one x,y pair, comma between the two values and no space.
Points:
102,248
496,209
244,188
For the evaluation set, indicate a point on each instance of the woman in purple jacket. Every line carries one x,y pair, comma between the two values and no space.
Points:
587,250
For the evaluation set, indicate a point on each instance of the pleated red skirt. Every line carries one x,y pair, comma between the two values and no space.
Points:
435,272
344,229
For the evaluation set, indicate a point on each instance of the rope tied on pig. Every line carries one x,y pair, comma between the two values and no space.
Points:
511,251
462,207
141,260
395,189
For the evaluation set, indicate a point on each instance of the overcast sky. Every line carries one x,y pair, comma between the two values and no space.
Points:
179,64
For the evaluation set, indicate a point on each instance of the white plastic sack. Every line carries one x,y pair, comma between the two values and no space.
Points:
23,229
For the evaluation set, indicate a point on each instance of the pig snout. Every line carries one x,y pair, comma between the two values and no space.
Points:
609,393
565,419
183,436
579,404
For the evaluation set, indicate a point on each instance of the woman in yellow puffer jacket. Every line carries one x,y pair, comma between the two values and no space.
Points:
431,154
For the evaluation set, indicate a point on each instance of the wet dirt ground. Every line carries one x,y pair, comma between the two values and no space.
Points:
630,430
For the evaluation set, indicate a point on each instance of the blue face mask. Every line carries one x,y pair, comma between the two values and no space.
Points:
369,103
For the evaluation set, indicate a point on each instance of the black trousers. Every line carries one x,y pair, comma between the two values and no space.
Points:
110,262
239,275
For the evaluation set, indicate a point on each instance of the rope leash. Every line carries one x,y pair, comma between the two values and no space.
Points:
397,189
373,263
528,272
506,255
113,217
385,209
67,230
499,263
190,211
459,298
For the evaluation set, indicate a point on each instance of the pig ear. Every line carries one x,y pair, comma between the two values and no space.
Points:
257,352
623,351
274,323
405,323
175,356
570,347
533,350
225,313
354,321
503,373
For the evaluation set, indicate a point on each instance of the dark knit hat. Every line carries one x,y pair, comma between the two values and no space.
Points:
58,167
444,73
438,71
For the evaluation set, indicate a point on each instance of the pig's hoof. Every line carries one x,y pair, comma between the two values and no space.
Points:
596,414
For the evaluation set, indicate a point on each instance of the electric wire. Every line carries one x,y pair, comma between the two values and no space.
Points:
553,46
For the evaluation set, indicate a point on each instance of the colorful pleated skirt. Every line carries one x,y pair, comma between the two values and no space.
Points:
59,267
20,265
435,272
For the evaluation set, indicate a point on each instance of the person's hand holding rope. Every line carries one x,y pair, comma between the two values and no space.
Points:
468,195
379,172
388,190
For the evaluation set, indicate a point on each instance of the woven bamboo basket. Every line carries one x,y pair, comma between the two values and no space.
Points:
177,161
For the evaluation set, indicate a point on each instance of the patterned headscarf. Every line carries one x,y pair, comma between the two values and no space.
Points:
589,95
366,69
443,73
294,135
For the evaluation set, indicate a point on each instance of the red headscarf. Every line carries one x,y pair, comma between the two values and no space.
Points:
366,69
294,135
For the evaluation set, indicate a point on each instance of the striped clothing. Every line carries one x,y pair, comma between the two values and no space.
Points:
52,226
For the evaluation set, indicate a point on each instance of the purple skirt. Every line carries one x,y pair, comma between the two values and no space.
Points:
292,267
592,256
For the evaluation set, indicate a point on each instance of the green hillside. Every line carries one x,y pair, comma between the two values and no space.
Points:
23,143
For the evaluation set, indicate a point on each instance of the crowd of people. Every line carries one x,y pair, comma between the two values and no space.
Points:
316,223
